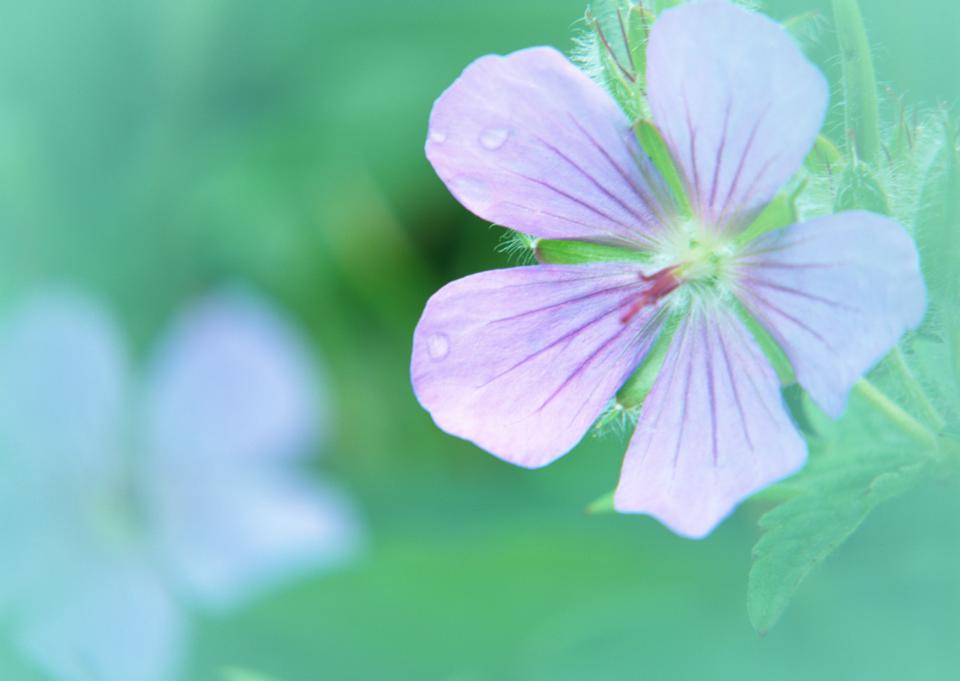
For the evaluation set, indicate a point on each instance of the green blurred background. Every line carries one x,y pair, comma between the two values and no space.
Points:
152,149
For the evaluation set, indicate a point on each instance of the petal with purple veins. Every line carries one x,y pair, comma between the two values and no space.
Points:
528,141
737,102
836,294
712,431
522,361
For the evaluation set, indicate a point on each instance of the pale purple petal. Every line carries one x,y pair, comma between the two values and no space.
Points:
232,402
230,534
63,380
231,381
712,431
522,361
114,623
528,141
737,102
836,293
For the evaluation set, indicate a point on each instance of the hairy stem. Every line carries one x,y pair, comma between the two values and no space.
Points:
900,418
859,81
917,392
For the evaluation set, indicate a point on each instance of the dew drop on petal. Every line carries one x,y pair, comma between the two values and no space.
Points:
494,138
438,137
438,346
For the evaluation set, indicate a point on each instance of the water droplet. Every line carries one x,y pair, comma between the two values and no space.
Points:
438,137
438,346
494,138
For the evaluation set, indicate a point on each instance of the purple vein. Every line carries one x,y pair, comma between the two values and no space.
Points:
618,238
644,197
734,185
718,164
772,265
786,315
677,347
797,292
568,196
582,367
606,192
563,303
733,386
693,156
708,365
567,337
683,414
756,180
640,345
755,358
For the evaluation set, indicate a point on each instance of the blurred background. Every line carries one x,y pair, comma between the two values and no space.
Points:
152,151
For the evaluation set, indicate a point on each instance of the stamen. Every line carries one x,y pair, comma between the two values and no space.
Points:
662,282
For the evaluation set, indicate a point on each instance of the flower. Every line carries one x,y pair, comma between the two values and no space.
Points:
123,501
522,361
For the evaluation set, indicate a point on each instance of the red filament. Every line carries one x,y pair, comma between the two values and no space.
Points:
662,283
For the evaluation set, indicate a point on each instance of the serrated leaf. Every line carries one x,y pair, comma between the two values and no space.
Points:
872,455
840,492
861,108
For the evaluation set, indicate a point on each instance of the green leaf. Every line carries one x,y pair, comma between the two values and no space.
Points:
841,489
805,28
860,190
938,219
861,108
824,158
621,29
562,252
875,453
938,233
656,148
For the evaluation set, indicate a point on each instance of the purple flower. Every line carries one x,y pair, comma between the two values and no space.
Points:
124,499
522,361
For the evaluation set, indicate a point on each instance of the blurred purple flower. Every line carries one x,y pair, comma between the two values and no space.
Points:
120,500
522,361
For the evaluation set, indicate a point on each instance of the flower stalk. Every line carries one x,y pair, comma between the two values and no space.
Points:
861,107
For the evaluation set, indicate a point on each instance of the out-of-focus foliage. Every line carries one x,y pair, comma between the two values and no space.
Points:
149,150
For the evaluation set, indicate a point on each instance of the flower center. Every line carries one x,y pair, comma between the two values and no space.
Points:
697,262
701,257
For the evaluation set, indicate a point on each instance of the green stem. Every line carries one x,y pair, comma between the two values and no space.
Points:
916,390
895,413
859,82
